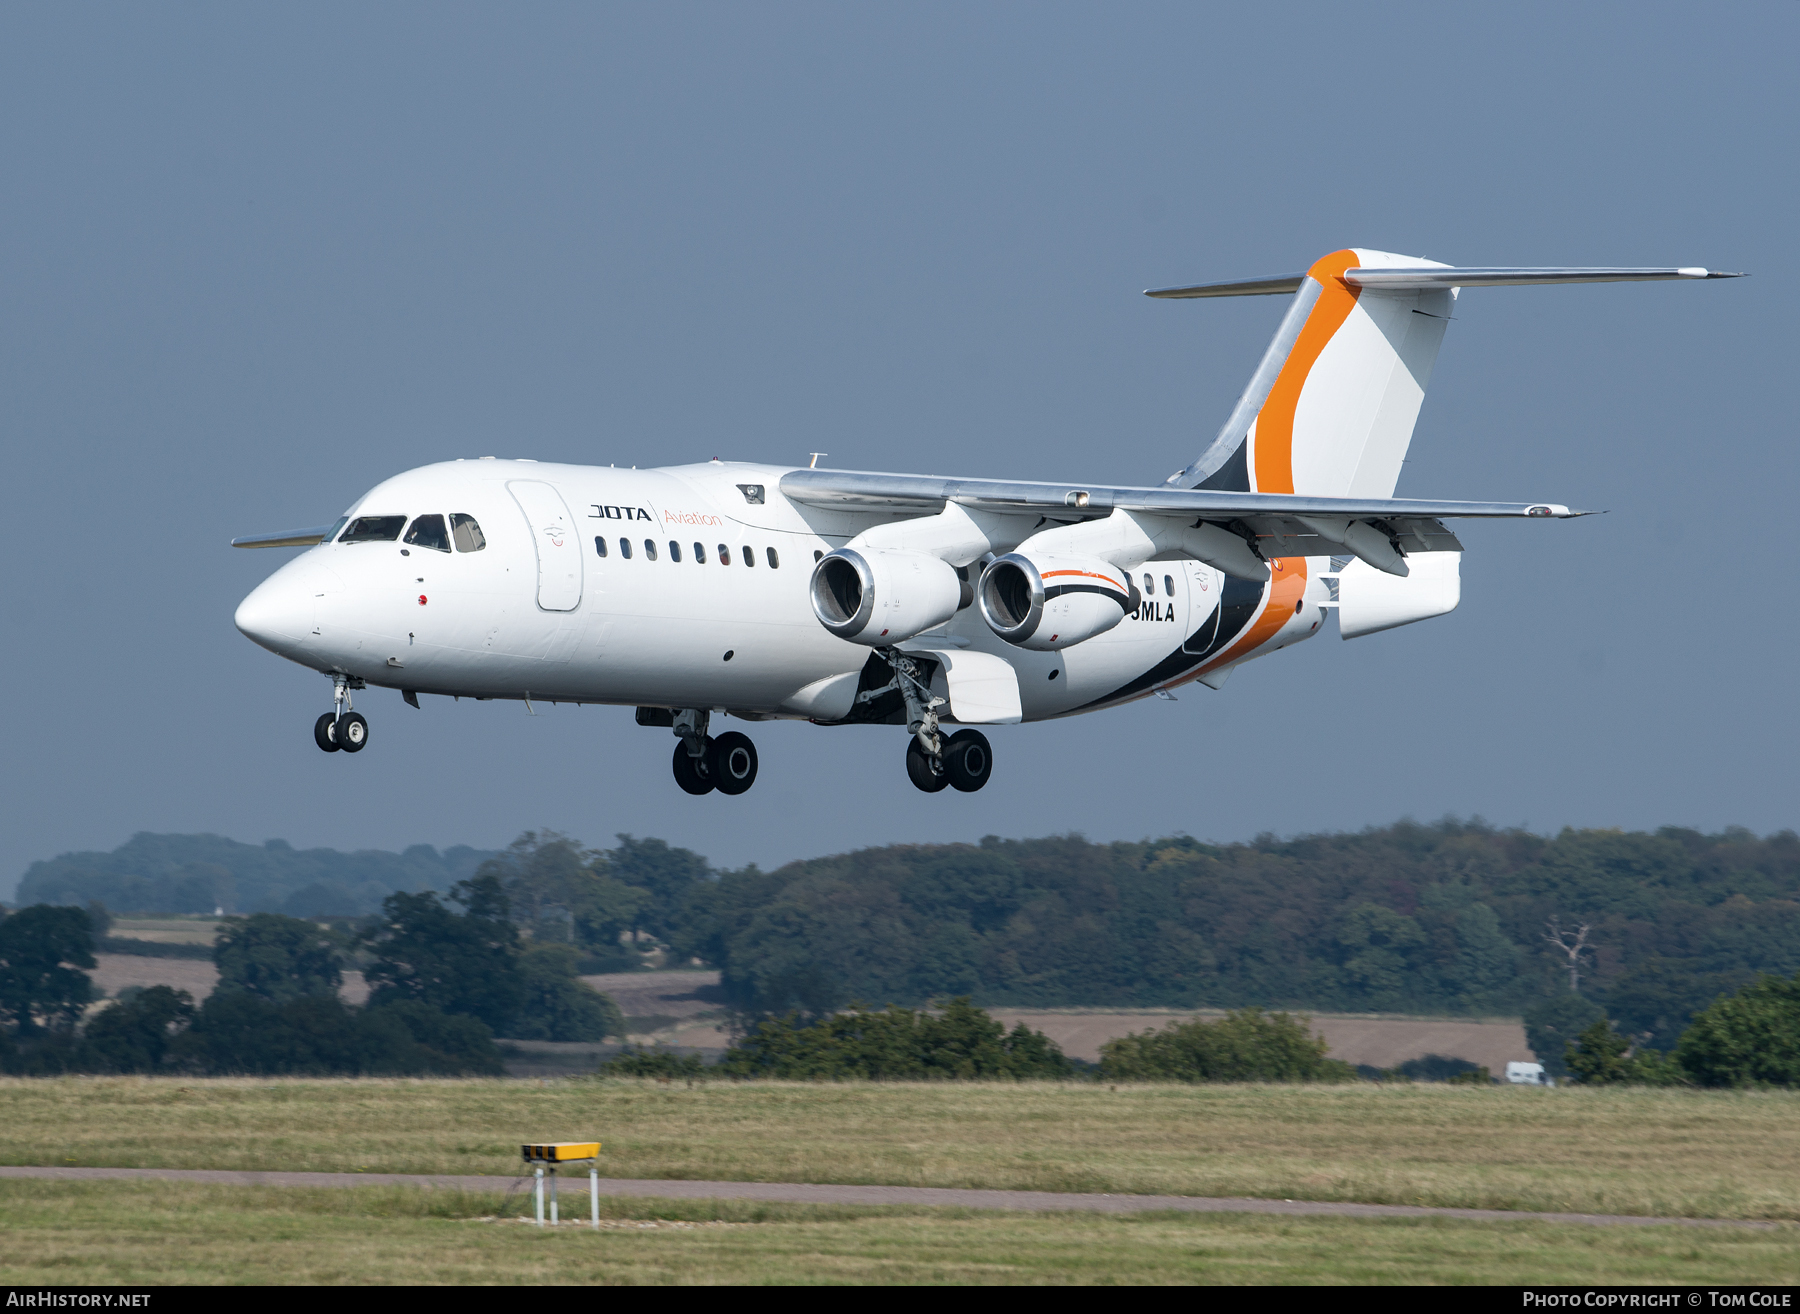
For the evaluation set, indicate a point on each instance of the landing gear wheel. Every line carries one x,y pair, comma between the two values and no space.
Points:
322,735
921,770
352,732
694,774
968,761
733,759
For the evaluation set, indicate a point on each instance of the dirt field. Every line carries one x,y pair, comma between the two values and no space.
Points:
166,930
1381,1042
194,975
681,1008
659,1001
116,971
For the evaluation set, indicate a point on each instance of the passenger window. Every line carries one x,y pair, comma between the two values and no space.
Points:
650,549
428,532
466,533
749,556
1169,585
700,553
724,555
1149,585
625,548
774,561
674,550
599,546
374,529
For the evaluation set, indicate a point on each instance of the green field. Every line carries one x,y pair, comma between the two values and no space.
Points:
157,1233
1645,1152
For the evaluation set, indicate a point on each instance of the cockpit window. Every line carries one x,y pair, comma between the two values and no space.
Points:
374,529
466,532
331,533
428,532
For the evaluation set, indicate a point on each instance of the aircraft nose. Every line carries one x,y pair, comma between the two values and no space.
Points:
274,615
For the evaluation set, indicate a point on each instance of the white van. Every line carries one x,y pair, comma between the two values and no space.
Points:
1527,1074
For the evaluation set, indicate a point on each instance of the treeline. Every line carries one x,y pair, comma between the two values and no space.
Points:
200,873
445,977
1450,918
1749,1038
960,1042
1447,918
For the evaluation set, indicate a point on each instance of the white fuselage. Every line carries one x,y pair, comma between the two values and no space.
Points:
662,620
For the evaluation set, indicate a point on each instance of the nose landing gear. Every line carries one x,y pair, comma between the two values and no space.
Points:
342,731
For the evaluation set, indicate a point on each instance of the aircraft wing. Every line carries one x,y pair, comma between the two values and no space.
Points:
1280,524
1268,514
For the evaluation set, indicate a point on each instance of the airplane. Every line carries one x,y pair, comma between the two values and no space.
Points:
841,597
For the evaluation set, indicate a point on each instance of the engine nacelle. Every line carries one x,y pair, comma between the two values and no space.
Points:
878,597
1048,603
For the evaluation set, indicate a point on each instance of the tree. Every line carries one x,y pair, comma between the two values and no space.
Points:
464,962
135,1034
541,875
1751,1038
309,1035
1599,1055
666,875
557,1004
1379,944
1552,1023
1573,945
561,894
42,949
958,1043
1487,961
277,958
1248,1045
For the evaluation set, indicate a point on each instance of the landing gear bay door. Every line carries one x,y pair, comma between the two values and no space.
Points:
558,546
982,689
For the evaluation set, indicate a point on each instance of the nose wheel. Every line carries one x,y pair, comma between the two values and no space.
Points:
342,731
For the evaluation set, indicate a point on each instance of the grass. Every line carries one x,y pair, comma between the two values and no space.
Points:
1644,1152
140,1233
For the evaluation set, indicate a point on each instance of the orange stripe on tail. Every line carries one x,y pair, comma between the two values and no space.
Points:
1274,439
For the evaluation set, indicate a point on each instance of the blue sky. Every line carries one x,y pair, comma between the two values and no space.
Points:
258,258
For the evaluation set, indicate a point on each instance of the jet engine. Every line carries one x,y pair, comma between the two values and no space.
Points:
878,597
1049,603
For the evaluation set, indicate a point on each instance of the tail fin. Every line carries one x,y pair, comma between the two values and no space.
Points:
1330,410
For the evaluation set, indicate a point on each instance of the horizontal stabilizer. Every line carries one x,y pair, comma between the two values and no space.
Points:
293,538
1415,280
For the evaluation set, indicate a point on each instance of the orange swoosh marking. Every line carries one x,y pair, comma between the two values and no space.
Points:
1085,574
1274,467
1290,585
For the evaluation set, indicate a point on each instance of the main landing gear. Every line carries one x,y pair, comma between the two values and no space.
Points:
963,761
343,730
703,763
